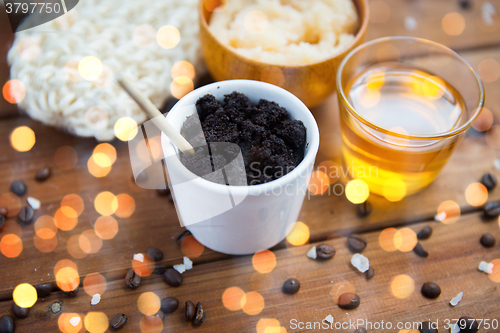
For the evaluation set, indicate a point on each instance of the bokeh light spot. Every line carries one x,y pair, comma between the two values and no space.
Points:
264,261
143,265
22,138
148,303
90,68
489,70
29,48
191,248
125,205
331,169
66,157
340,288
183,68
94,283
181,86
386,239
11,245
476,194
89,242
380,12
14,91
108,150
63,221
484,121
96,322
106,227
94,165
75,202
12,202
448,212
45,227
45,245
299,235
66,273
495,275
125,128
405,239
25,295
394,189
168,37
105,203
453,24
273,75
252,303
268,325
402,286
231,298
151,324
70,323
74,249
319,183
357,191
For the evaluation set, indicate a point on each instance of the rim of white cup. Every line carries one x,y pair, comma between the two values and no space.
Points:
241,86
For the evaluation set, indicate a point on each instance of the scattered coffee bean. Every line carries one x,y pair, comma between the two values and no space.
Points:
18,188
55,307
349,301
360,330
370,273
425,233
356,244
487,240
430,290
43,174
199,316
169,305
2,222
154,253
464,4
420,251
4,211
181,236
492,210
291,286
427,327
159,269
489,181
364,209
20,312
71,293
7,324
172,277
132,280
324,251
190,311
43,290
467,325
118,321
26,214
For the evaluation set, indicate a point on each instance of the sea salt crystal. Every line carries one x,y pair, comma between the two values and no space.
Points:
95,299
360,262
440,217
488,11
34,203
180,268
486,267
496,164
74,321
312,253
329,319
139,257
410,23
455,328
188,264
457,299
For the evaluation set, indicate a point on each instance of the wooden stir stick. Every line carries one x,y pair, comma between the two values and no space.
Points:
155,115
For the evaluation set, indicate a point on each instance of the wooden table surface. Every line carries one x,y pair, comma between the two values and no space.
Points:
393,295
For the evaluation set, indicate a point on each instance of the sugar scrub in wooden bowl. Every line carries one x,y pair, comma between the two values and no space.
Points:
294,44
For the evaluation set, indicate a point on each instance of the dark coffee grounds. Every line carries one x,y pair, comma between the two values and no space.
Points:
271,144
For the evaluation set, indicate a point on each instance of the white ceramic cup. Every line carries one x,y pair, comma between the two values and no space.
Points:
257,217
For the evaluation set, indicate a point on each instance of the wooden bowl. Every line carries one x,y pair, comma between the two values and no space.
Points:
311,82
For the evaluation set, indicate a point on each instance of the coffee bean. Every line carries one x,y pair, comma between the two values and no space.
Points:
132,280
464,4
160,315
18,188
159,269
43,174
291,286
169,304
26,214
370,273
154,253
487,240
425,233
2,222
364,209
420,251
349,301
489,181
467,325
324,251
492,210
430,290
190,310
43,290
199,316
427,327
55,307
360,330
4,211
172,277
20,312
71,293
181,236
356,244
7,324
118,321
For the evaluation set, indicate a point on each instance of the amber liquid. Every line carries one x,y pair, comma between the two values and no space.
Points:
405,101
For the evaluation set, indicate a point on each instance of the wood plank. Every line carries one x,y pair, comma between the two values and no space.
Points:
454,250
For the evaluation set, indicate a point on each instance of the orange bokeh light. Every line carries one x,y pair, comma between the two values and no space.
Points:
94,283
22,138
386,239
45,227
495,275
14,91
181,86
11,245
66,157
75,202
476,194
252,303
66,273
231,298
89,242
319,183
264,261
268,325
405,239
106,227
402,286
105,203
63,221
45,244
331,169
97,170
74,248
340,288
143,265
448,212
272,75
125,204
106,149
12,202
484,121
96,322
299,234
183,68
191,248
148,303
70,323
151,324
453,24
